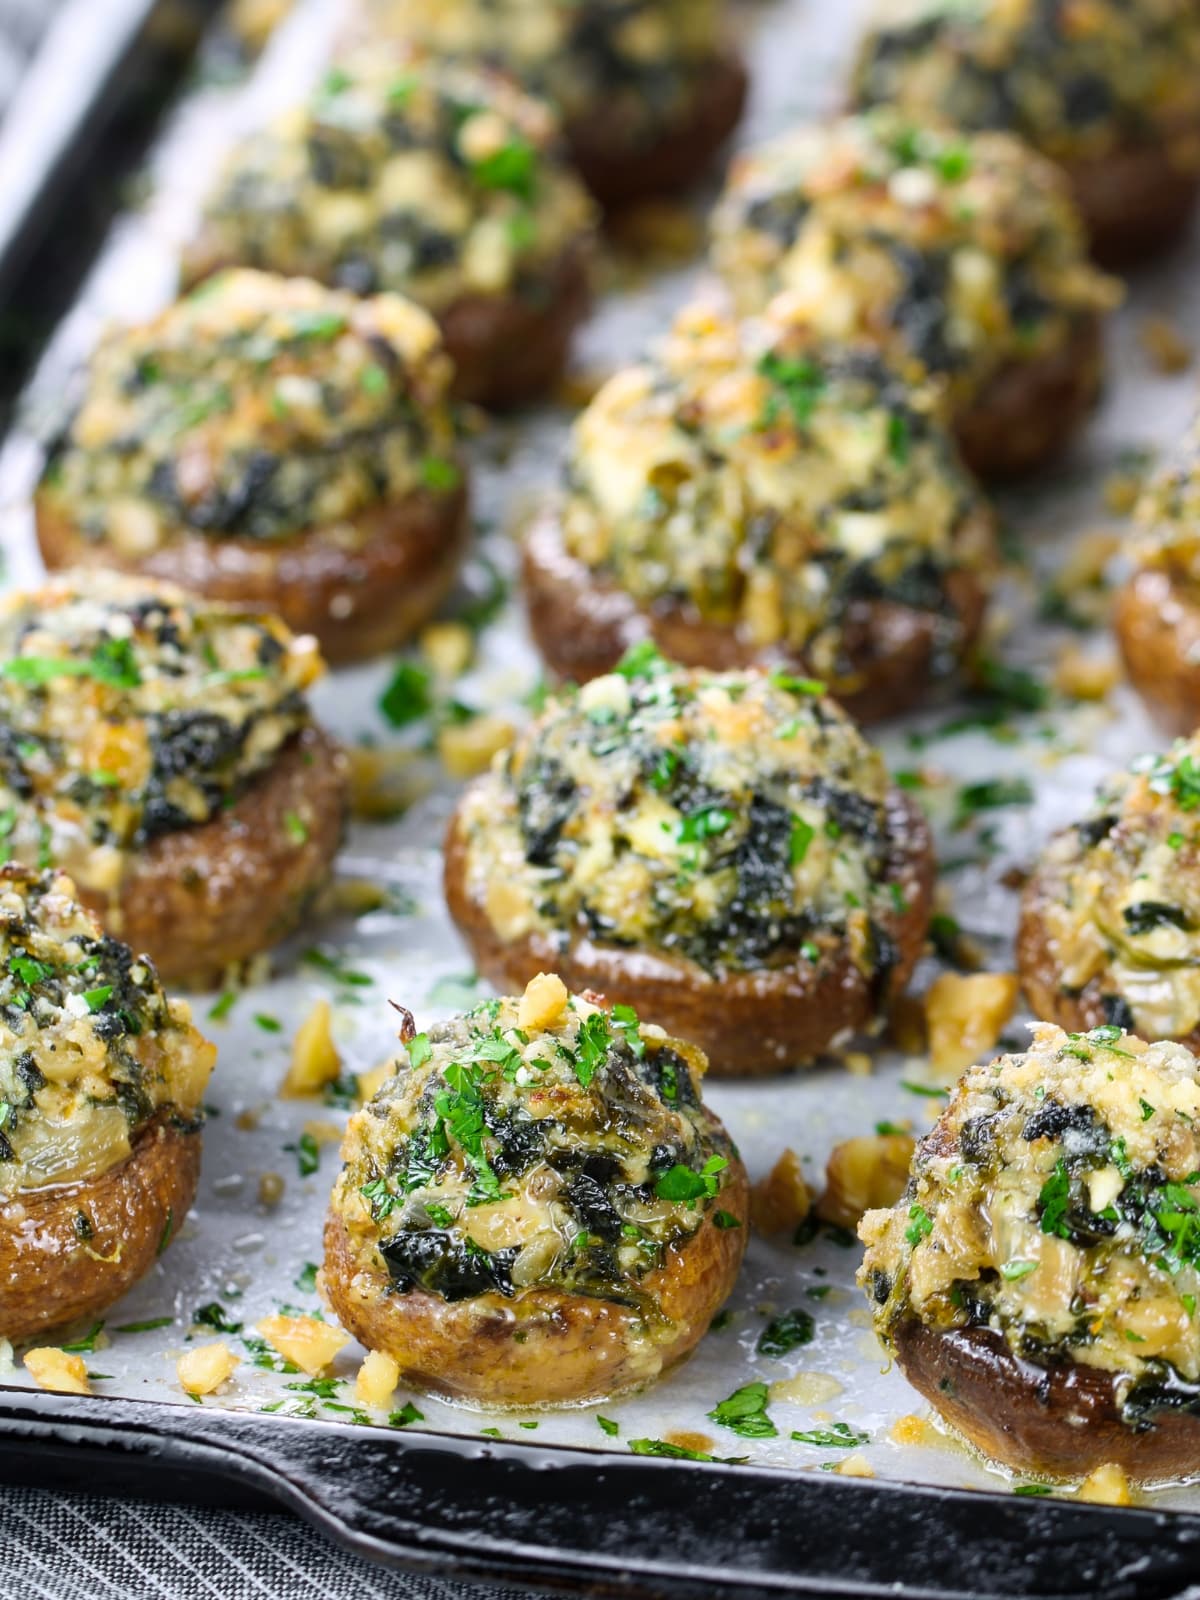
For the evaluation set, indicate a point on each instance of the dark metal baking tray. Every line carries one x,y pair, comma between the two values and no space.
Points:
560,1519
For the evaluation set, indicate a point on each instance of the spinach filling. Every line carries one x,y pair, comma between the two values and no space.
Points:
464,1115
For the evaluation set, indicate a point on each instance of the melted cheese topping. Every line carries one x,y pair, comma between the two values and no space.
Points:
636,64
1057,1201
735,819
1123,895
90,1046
503,1157
1076,81
768,481
963,251
257,408
437,181
129,709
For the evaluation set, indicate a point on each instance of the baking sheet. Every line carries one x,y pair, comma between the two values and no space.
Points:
248,1259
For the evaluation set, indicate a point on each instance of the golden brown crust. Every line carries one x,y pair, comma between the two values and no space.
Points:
1157,624
1025,415
1136,201
619,175
54,1270
358,602
202,899
583,625
544,1346
508,351
748,1024
1062,1419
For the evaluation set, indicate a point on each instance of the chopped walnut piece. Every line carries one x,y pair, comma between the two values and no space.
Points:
864,1173
781,1201
58,1370
544,1002
965,1017
205,1369
306,1342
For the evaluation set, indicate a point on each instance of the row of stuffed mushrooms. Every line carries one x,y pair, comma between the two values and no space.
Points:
537,1207
783,477
540,1178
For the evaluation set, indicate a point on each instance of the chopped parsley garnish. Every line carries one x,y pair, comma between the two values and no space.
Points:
439,474
803,834
594,1043
608,1426
707,823
798,385
992,795
409,695
801,686
838,1436
419,1050
297,829
86,1345
332,965
678,1452
627,1021
112,662
406,1414
306,1278
725,1220
682,1184
214,1315
786,1333
920,1224
308,1154
745,1413
642,660
513,168
1014,1271
460,1107
1054,1201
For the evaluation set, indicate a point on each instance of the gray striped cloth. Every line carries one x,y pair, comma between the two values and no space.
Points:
69,1547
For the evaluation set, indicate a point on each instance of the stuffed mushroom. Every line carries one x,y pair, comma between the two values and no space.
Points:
1110,924
963,251
1038,1279
754,493
102,1080
161,750
648,90
274,443
1157,617
537,1208
1110,91
722,851
435,180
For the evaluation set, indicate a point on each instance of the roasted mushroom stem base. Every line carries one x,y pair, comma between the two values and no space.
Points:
1025,415
1059,1420
749,1024
621,175
510,350
583,625
361,597
1137,201
1157,622
543,1347
202,899
70,1250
